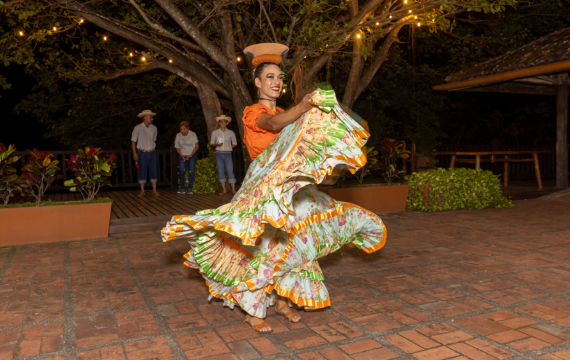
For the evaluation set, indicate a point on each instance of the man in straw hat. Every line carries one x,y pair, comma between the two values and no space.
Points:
224,140
143,142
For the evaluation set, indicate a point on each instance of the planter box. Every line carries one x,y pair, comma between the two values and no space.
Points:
378,199
44,224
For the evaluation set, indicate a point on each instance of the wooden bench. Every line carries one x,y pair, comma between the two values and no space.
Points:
494,159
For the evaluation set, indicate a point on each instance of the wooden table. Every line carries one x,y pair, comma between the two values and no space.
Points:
493,159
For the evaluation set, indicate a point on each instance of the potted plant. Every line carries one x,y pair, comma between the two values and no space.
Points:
9,180
60,221
378,198
38,174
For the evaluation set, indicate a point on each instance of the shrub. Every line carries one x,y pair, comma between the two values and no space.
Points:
91,168
206,179
9,180
441,189
39,172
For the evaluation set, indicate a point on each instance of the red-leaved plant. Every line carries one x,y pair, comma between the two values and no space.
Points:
390,153
91,169
9,180
39,172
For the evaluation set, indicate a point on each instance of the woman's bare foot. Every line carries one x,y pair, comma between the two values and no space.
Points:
141,194
155,193
259,325
281,307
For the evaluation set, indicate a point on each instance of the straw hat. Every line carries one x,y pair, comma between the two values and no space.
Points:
223,117
146,112
266,52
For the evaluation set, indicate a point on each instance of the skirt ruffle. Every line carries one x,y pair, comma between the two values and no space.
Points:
268,239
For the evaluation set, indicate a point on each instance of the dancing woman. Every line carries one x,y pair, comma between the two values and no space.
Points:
261,249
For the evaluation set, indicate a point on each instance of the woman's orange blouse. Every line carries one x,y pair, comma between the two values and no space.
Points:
257,139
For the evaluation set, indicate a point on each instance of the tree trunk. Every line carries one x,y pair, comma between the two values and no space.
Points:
210,107
358,81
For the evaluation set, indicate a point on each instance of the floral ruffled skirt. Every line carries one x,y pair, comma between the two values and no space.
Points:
266,242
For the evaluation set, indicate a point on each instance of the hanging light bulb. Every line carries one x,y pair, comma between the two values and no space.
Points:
284,91
415,17
377,23
170,61
131,54
21,33
104,38
390,16
143,58
54,28
81,20
238,59
419,24
405,1
358,36
410,11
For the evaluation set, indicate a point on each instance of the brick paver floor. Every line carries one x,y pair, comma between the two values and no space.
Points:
485,284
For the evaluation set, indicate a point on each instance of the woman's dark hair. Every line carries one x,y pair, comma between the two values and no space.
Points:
259,69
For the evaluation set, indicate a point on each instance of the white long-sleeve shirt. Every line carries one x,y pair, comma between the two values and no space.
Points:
227,138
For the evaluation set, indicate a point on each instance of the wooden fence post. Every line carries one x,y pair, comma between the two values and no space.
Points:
173,168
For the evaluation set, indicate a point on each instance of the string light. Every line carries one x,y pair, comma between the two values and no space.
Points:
170,61
284,91
415,17
81,21
358,36
390,16
410,11
21,33
238,59
405,1
131,54
54,28
104,38
379,23
419,24
143,58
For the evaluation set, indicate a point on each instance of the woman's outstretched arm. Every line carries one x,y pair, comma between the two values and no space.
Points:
279,121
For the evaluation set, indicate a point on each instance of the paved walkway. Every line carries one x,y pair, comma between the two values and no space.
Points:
488,284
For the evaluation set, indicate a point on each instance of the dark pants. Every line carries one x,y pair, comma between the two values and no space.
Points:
188,165
147,166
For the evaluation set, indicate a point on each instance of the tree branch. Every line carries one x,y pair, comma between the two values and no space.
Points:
119,73
161,30
268,21
185,75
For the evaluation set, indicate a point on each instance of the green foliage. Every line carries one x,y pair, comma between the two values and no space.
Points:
39,172
390,153
206,180
53,203
91,169
9,180
451,189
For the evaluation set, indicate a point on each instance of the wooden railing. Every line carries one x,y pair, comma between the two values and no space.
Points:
126,173
517,171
